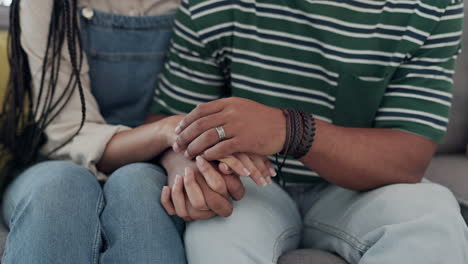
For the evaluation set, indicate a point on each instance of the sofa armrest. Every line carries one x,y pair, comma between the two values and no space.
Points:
451,170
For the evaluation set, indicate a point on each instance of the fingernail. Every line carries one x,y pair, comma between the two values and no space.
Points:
273,172
224,166
176,147
269,180
179,127
263,182
165,188
186,155
178,178
247,172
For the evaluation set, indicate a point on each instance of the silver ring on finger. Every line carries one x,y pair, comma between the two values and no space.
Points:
221,133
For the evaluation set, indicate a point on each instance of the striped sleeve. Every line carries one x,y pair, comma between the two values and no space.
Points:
190,75
418,97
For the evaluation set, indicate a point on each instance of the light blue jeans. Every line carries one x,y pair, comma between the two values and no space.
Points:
396,224
57,212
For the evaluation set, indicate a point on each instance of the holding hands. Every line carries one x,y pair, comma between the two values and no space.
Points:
205,189
229,139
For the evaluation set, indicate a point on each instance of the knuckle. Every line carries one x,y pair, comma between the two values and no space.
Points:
200,108
181,139
182,214
234,145
197,125
225,147
218,186
201,124
216,206
237,188
199,205
190,151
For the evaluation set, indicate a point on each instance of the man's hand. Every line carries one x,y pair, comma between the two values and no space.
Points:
250,128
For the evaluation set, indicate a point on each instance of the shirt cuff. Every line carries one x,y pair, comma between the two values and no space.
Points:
87,148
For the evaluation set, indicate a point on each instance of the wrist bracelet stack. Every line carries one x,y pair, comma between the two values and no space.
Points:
300,133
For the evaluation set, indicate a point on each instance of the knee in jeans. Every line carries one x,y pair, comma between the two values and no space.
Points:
251,217
407,202
138,174
56,187
60,180
136,179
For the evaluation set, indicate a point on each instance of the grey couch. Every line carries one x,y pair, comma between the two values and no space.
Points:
449,167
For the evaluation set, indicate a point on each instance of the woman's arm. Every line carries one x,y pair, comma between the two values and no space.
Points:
139,144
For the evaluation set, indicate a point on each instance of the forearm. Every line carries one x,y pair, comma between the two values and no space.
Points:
361,158
139,144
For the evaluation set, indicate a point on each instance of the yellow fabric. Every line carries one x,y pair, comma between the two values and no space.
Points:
4,67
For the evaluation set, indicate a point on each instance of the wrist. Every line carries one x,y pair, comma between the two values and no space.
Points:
168,129
282,130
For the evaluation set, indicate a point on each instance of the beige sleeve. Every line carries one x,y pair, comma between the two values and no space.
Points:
87,148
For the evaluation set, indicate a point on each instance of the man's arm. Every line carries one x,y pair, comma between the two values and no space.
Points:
361,159
354,158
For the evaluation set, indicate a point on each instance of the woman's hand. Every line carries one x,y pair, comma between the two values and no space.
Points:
250,127
168,127
203,192
257,167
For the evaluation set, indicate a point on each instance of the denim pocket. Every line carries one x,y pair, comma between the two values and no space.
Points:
358,99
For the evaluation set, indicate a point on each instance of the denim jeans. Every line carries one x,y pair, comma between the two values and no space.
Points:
57,212
403,224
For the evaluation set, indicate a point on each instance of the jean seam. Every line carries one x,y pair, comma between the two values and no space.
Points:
97,238
282,237
349,239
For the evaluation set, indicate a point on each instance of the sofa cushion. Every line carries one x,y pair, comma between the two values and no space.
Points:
452,172
457,134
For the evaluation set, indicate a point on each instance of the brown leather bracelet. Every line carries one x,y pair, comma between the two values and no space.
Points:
297,131
308,135
300,133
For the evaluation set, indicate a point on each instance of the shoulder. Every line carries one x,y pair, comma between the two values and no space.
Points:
36,8
35,15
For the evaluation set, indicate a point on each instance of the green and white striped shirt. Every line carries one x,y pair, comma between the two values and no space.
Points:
355,63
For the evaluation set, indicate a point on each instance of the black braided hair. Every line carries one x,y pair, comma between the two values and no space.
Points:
22,121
